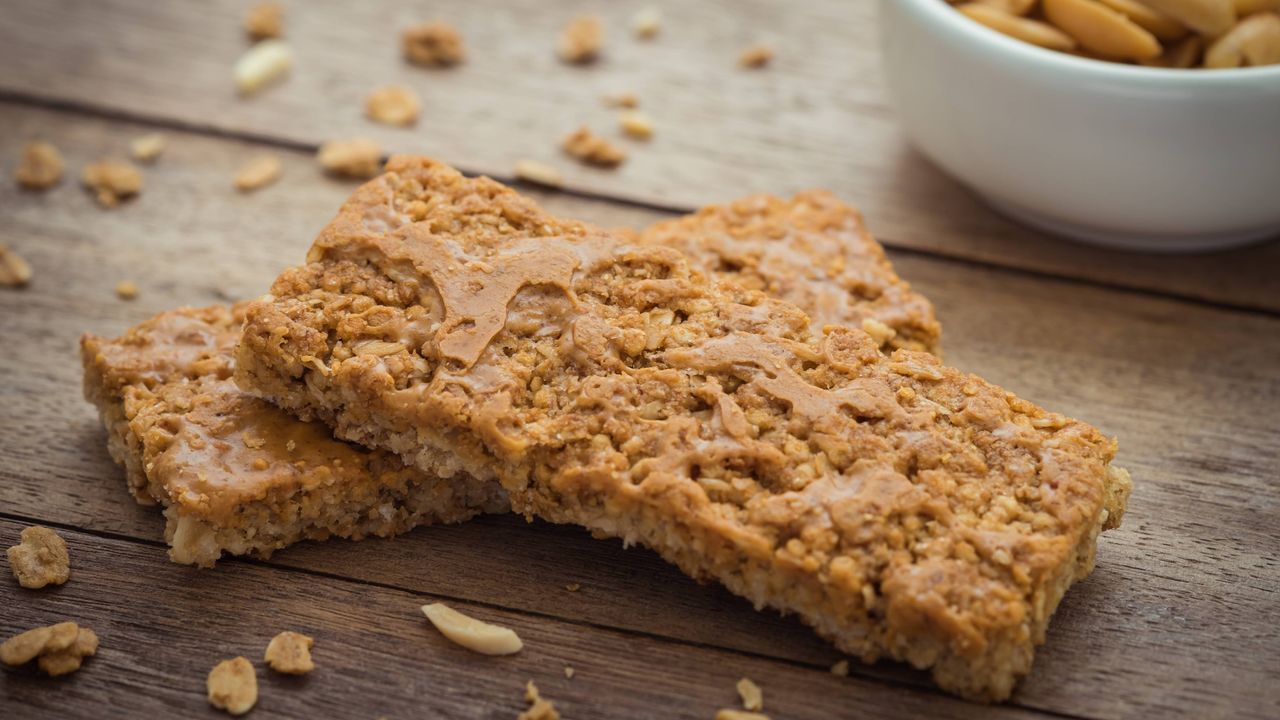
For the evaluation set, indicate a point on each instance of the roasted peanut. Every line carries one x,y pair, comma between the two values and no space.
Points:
1032,31
1102,30
1254,40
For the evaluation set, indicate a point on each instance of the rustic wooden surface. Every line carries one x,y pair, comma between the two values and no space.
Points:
1180,619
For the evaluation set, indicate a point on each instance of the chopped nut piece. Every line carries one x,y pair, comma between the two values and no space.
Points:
878,331
262,64
540,173
573,587
147,148
539,709
40,559
127,289
482,637
756,57
435,44
14,271
647,23
593,149
637,125
568,672
356,158
840,668
259,172
290,652
730,714
752,696
111,180
393,105
581,40
621,100
233,686
40,167
68,659
264,20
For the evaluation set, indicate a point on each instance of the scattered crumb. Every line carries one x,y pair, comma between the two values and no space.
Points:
290,652
262,65
621,100
581,40
433,44
112,180
40,167
756,57
730,714
751,694
539,709
14,270
647,23
147,148
636,124
593,149
537,172
573,587
568,672
233,686
69,659
40,559
58,649
264,20
840,669
482,637
127,289
393,105
354,158
259,172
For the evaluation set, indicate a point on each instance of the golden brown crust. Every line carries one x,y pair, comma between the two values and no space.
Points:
901,507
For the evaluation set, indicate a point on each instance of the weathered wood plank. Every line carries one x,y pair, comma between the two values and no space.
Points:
1190,391
817,117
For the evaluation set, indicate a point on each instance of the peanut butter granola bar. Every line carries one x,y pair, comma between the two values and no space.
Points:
233,473
902,508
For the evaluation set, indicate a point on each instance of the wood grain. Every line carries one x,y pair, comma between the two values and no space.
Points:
817,117
1191,392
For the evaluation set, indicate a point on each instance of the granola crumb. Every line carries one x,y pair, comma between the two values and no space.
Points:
539,708
127,289
393,105
756,57
290,652
40,167
262,65
259,172
69,659
112,181
435,44
354,158
147,147
14,270
592,149
581,40
40,559
264,20
636,124
539,173
731,714
751,694
573,587
621,100
482,637
568,672
233,686
647,23
58,649
840,669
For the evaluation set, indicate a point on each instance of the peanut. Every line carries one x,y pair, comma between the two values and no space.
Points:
1254,40
1102,30
1032,31
1153,21
1210,17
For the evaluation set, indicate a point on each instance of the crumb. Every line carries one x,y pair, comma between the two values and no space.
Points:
40,559
290,652
264,20
233,686
573,587
262,65
472,634
147,148
636,124
840,669
756,56
647,23
568,672
40,167
14,270
581,40
57,649
593,149
539,709
433,44
730,714
355,158
393,105
751,694
127,289
259,172
111,181
621,100
539,173
69,659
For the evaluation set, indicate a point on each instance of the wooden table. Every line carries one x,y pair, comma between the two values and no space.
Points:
1177,356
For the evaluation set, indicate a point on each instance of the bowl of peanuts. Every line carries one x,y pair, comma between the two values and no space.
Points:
1144,124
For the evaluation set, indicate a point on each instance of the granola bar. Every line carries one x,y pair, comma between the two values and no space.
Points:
233,473
900,507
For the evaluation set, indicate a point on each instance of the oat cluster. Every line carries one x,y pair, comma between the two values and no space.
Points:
593,149
57,649
40,167
435,44
111,181
40,559
290,653
353,158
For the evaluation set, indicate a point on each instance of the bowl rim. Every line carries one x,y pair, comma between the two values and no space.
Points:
944,15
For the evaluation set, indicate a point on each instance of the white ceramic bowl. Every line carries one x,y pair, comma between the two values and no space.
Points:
1155,159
